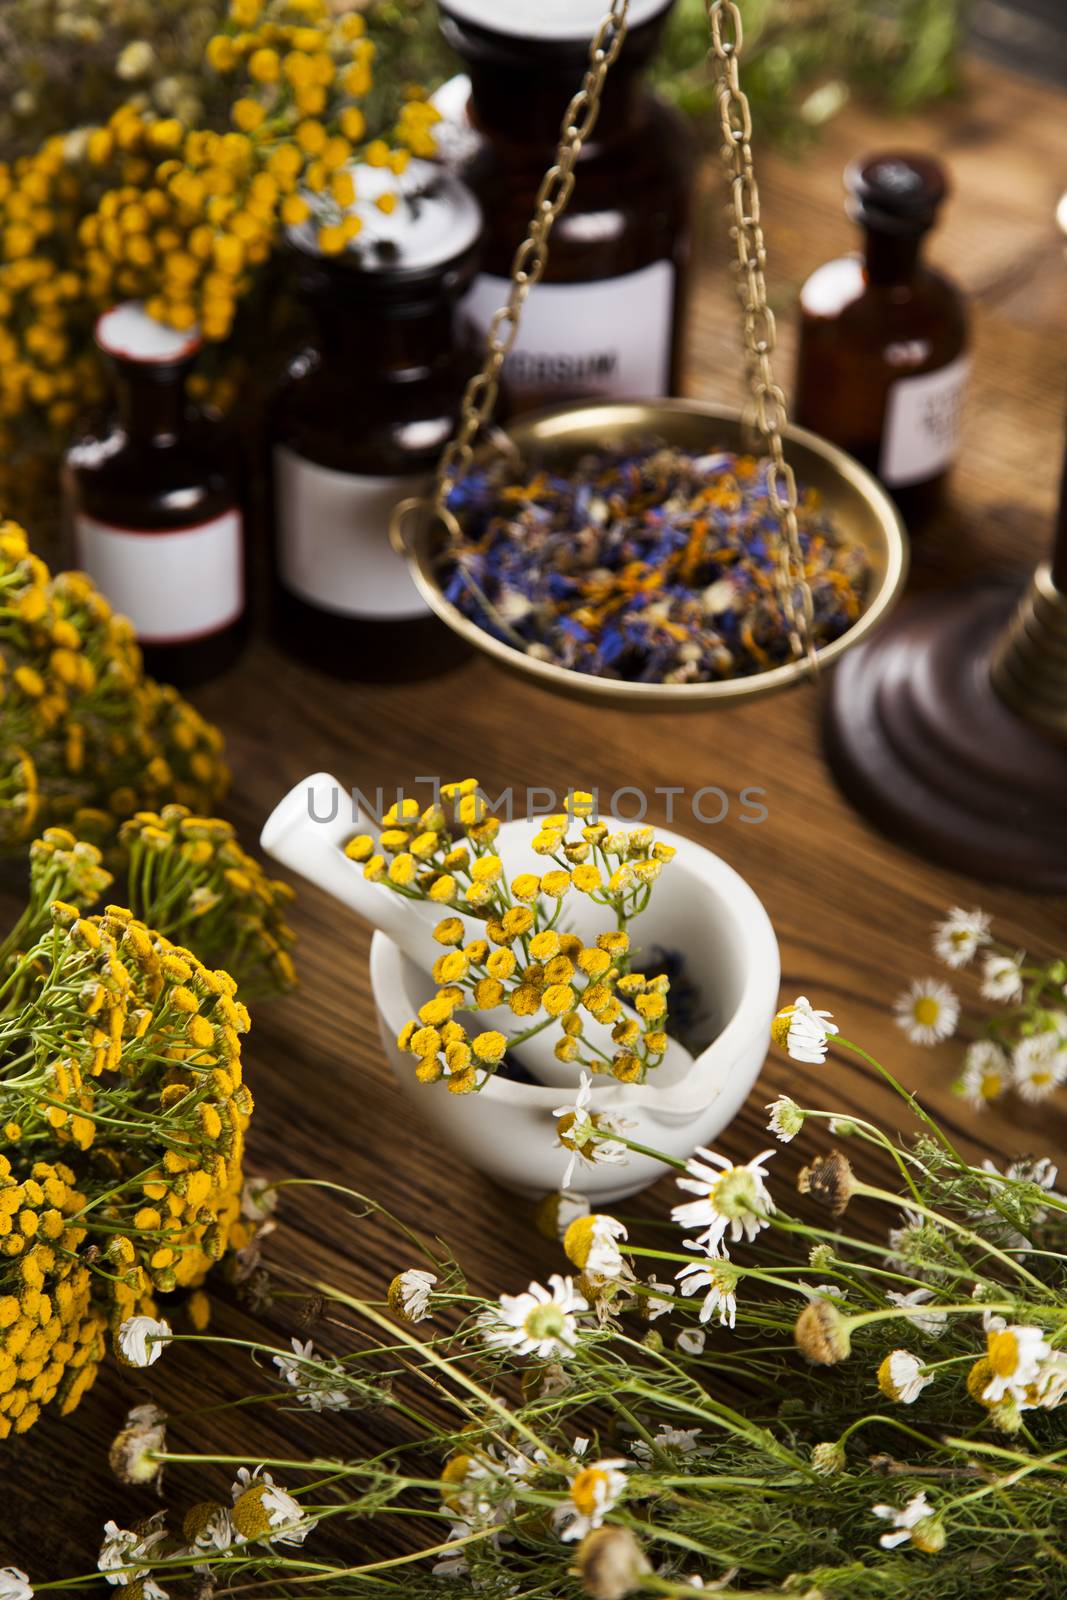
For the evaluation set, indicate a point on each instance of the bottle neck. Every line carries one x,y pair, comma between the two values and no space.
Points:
521,104
151,404
891,257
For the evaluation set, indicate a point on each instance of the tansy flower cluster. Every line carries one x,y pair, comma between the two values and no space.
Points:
144,206
122,1120
522,967
85,738
189,877
1022,1047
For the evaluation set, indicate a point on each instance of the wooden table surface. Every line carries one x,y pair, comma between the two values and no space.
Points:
852,912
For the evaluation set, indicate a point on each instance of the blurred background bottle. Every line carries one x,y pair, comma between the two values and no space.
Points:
152,503
360,419
607,317
882,359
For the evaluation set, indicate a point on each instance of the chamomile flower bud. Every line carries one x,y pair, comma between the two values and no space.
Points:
828,1458
410,1293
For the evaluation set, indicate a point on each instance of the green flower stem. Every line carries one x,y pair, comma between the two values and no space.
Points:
969,1234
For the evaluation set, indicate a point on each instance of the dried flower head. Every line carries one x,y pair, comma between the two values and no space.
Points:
829,1180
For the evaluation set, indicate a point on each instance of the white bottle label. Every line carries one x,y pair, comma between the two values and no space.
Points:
175,585
612,337
333,539
922,424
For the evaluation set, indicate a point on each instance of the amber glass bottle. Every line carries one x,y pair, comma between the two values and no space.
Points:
883,363
360,420
607,317
153,505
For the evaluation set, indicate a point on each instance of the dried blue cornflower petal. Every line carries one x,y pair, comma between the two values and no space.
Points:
654,566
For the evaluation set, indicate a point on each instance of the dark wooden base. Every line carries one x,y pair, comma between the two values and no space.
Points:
920,743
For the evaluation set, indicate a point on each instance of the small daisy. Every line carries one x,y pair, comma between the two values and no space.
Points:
786,1119
692,1341
14,1584
590,1136
904,1521
655,1304
928,1012
719,1278
264,1511
540,1322
1002,977
1038,1065
259,1199
1015,1354
593,1491
683,1441
592,1244
410,1293
142,1339
959,936
124,1548
902,1377
930,1322
803,1031
311,1376
734,1199
985,1075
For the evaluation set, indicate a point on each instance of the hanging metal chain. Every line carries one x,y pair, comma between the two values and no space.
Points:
735,116
528,263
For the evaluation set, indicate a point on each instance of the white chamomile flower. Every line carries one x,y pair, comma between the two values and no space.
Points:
803,1031
141,1340
14,1584
719,1277
1049,1388
592,1492
410,1293
658,1304
931,1322
959,936
682,1441
570,1207
263,1511
902,1377
1016,1355
986,1073
315,1379
786,1119
540,1322
1002,977
590,1136
259,1198
1038,1065
592,1244
928,1011
125,1553
691,1341
908,1523
734,1199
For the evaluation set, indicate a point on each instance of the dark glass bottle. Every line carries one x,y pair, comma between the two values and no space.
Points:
359,422
607,317
882,363
153,505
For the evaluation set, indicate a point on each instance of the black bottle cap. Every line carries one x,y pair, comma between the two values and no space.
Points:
895,192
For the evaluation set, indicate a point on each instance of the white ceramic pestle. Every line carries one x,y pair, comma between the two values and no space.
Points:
307,832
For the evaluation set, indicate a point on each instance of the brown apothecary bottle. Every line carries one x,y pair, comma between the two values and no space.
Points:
882,358
153,504
607,318
359,421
